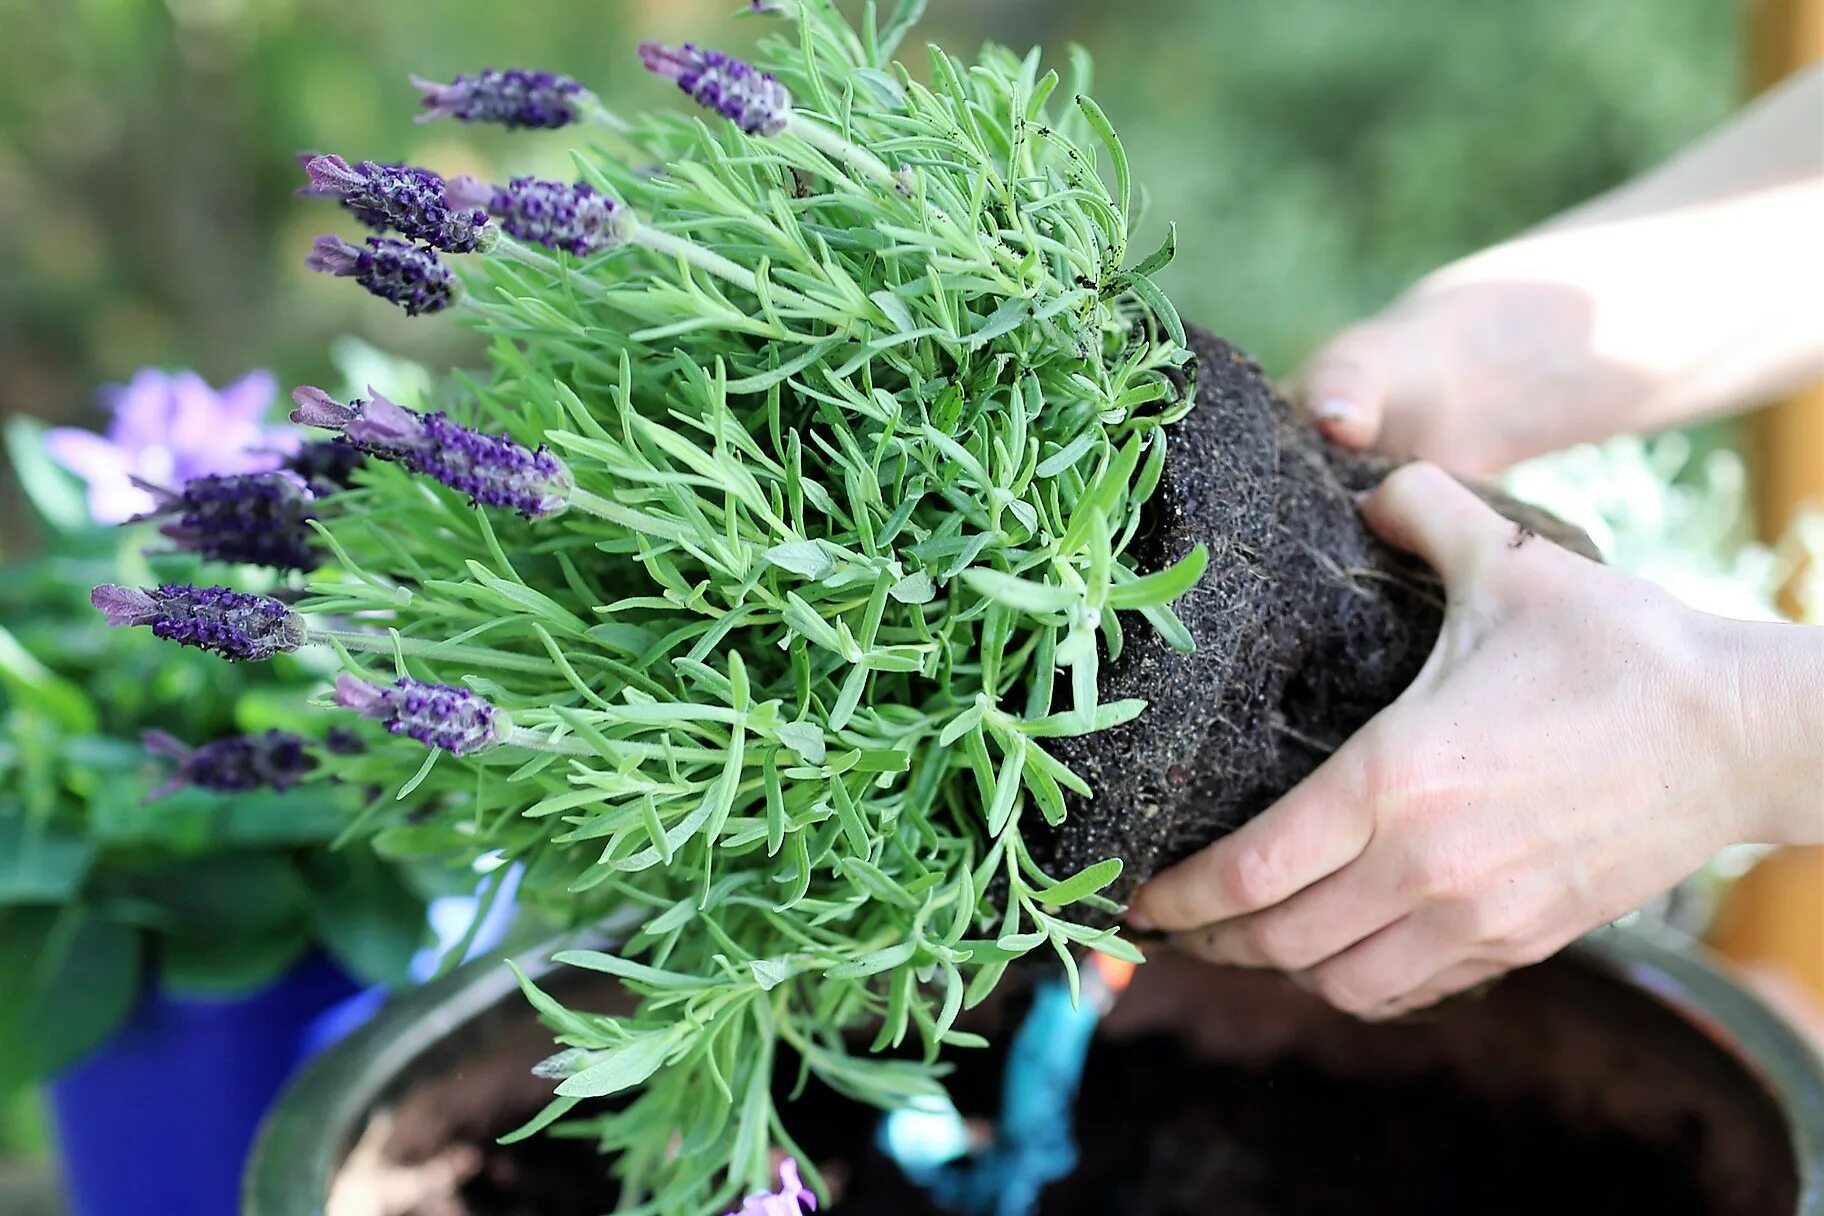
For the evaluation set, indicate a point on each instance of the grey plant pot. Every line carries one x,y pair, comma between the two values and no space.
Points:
1676,1037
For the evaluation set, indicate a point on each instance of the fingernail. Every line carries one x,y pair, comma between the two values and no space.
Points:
1140,921
1335,409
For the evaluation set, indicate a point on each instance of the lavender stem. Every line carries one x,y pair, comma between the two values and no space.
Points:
843,152
364,642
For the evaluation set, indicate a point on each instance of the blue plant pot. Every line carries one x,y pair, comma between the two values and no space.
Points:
158,1120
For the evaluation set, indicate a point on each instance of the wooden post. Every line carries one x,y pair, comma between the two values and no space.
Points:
1788,449
1773,918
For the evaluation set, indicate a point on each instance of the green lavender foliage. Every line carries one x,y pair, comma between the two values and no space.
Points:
848,537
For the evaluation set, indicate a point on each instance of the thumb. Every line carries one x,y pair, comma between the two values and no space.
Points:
1426,512
1343,388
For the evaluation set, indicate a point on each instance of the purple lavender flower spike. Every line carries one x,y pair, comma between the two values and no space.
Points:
573,217
792,1198
492,470
405,274
454,720
273,759
170,427
237,626
257,518
514,98
124,606
750,98
402,198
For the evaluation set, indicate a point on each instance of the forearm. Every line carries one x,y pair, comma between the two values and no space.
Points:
1701,309
1778,695
1697,289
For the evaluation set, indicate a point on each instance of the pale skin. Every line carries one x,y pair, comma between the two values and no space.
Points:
1578,741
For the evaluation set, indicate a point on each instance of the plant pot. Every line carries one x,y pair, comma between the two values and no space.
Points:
1620,1077
160,1117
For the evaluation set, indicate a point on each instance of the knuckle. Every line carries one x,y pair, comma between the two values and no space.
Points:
1249,877
1416,479
1484,921
1387,777
1442,873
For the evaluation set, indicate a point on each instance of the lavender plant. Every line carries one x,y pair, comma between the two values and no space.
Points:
743,595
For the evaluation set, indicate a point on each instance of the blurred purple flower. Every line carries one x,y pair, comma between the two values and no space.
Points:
259,518
791,1199
272,759
167,428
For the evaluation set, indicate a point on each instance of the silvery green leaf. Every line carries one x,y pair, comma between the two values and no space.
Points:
805,738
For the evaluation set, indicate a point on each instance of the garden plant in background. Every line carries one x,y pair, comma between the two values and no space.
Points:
794,584
165,835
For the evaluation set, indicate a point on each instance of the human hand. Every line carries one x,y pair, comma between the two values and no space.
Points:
1473,374
1630,314
1577,742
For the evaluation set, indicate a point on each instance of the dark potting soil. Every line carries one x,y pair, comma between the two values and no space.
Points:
1306,625
1162,1134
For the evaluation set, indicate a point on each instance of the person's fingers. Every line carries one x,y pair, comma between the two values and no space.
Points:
1322,825
1389,965
1460,977
1343,388
1425,511
1323,922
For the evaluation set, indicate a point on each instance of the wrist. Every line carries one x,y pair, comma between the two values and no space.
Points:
1771,677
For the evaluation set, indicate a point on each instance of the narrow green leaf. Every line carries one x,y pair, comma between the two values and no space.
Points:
1086,881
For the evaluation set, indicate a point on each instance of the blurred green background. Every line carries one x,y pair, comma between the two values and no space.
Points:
1317,154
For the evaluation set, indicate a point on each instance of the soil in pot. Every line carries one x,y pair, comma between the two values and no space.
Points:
1217,1092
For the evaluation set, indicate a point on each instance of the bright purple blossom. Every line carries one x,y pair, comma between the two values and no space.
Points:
574,217
492,470
398,271
235,625
738,91
513,97
400,198
258,518
454,720
169,427
792,1198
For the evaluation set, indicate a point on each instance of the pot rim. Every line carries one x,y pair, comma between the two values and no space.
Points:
1686,977
302,1140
